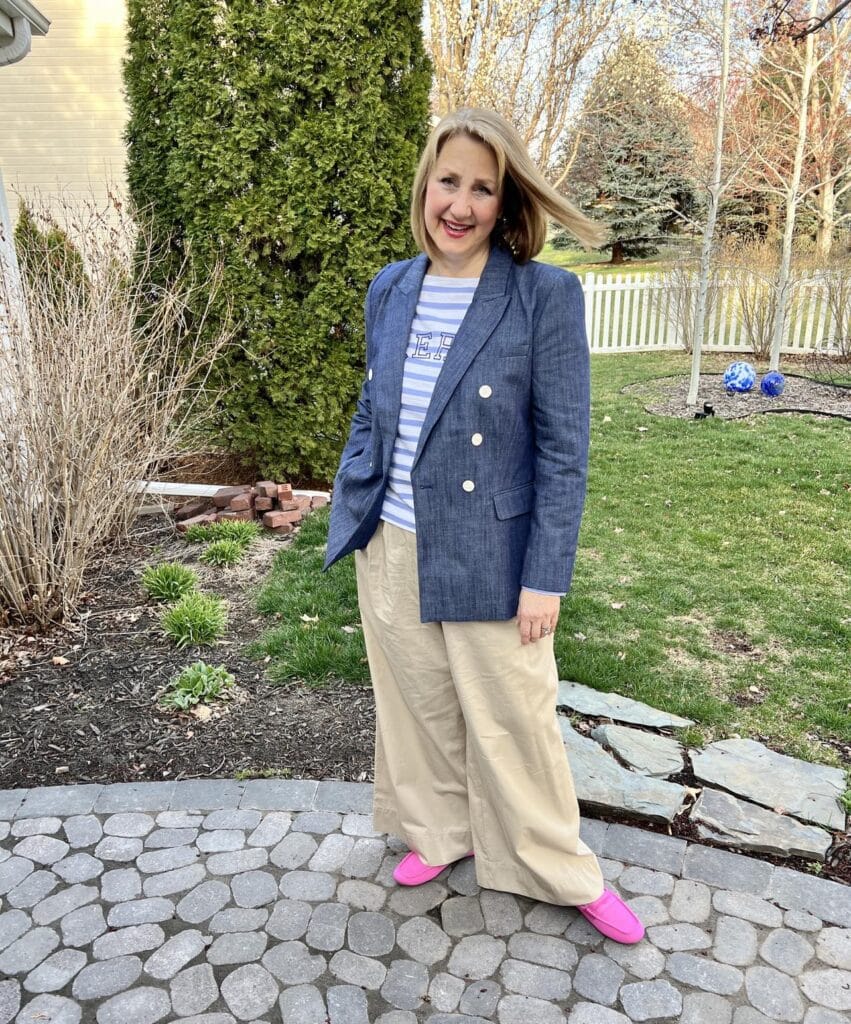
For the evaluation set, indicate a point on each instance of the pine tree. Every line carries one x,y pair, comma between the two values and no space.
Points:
281,139
631,166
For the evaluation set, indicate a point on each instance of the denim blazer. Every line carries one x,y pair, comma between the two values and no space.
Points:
502,511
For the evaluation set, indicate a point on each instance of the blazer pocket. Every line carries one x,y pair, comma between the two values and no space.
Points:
515,501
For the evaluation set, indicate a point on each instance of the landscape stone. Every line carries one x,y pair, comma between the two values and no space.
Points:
735,941
810,792
13,871
56,971
193,990
644,752
315,886
128,826
365,858
645,849
705,1008
238,861
302,1004
747,907
828,900
206,795
406,984
787,951
547,919
118,850
133,796
461,915
35,827
47,1009
152,910
651,1000
546,950
423,940
33,889
82,926
727,820
294,850
650,909
642,960
273,794
820,1015
833,947
359,825
480,998
82,830
462,878
704,974
164,838
28,951
445,991
327,928
156,861
120,884
97,981
346,1005
179,819
598,979
676,938
133,939
828,987
318,822
231,818
175,954
773,993
221,840
237,919
691,901
168,883
56,906
237,948
357,970
476,956
501,913
602,704
58,800
801,921
271,830
646,882
203,901
584,1013
293,964
78,867
10,1000
371,934
331,853
534,980
289,919
602,784
142,1005
13,924
343,796
254,889
727,870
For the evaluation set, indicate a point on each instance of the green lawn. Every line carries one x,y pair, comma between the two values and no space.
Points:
580,261
713,577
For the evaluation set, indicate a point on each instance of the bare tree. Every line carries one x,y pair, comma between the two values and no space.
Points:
522,58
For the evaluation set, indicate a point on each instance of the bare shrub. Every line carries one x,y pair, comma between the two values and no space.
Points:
752,267
830,360
104,375
678,300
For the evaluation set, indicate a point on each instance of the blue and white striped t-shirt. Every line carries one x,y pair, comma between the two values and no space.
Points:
441,307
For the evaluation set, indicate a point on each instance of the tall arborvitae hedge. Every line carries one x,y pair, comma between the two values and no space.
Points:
281,137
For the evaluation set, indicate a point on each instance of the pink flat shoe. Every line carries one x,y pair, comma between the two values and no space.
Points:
411,871
613,918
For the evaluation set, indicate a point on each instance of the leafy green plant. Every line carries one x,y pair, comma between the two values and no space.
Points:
195,619
168,581
223,552
195,683
226,529
262,773
199,533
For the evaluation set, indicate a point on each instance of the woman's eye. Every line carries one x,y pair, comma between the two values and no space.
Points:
447,181
484,189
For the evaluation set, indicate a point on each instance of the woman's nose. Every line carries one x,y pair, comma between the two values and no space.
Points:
462,207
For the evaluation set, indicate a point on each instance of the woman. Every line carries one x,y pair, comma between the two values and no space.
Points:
460,490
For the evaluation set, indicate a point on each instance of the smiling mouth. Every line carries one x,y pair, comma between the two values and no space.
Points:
456,230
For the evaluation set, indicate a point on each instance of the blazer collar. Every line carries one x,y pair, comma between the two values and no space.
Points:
493,281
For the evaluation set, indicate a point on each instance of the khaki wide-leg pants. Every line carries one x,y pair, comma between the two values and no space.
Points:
468,754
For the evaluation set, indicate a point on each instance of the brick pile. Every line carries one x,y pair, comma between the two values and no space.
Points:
273,505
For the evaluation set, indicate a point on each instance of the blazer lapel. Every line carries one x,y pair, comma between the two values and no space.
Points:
484,313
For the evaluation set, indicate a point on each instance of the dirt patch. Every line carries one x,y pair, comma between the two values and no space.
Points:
734,644
96,719
666,396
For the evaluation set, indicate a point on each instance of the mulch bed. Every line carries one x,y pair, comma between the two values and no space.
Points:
666,396
96,719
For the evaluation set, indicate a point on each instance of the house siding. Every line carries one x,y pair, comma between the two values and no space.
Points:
62,110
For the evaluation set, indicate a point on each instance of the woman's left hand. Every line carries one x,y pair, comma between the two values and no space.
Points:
537,615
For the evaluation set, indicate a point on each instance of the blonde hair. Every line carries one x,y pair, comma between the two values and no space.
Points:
528,200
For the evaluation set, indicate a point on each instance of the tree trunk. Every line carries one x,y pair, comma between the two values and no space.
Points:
826,219
617,252
784,273
714,199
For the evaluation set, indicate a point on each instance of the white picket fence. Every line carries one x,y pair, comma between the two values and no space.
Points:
636,312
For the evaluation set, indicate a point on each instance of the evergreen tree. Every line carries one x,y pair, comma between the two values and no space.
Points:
632,154
281,139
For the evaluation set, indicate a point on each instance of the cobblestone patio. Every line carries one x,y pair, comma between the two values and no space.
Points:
214,902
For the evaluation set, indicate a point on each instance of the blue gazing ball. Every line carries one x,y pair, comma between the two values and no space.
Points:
740,377
772,384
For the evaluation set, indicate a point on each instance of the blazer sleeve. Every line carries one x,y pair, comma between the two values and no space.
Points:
361,424
561,406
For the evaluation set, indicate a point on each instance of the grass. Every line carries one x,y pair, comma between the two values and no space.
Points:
713,575
580,261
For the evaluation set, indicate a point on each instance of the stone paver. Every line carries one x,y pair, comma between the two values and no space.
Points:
272,902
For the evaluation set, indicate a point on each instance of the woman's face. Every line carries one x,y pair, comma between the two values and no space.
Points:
462,204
